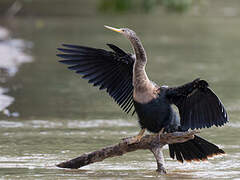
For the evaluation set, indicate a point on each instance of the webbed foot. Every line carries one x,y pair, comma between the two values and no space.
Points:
135,139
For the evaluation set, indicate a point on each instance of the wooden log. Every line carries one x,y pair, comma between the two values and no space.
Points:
153,142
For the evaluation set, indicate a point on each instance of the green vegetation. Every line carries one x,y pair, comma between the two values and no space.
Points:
144,5
177,5
91,7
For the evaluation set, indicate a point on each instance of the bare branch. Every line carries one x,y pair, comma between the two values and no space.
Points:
153,142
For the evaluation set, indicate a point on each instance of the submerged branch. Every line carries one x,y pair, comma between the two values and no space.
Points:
153,142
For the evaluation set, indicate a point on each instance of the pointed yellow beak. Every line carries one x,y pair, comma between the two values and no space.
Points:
114,29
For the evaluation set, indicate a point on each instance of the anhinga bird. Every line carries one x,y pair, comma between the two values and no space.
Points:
124,77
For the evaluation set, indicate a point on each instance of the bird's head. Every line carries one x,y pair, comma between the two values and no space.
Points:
128,33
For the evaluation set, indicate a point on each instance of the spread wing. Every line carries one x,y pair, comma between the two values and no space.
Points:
198,105
110,70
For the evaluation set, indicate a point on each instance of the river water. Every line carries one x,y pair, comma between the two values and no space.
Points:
60,116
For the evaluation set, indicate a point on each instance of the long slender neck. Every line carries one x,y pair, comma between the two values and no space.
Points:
140,78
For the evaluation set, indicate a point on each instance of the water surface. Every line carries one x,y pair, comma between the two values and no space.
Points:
61,116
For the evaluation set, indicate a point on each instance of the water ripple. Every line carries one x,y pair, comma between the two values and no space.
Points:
70,124
99,123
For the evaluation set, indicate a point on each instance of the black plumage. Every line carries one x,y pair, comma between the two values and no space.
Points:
198,106
125,80
194,150
110,70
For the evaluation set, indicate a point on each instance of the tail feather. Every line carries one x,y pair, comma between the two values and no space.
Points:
187,153
197,149
171,151
178,153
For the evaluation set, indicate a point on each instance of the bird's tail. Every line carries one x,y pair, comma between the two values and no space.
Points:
197,149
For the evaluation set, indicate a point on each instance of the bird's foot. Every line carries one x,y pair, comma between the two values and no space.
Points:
160,133
135,139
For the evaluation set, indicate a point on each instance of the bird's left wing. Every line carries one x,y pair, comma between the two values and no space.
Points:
110,70
198,105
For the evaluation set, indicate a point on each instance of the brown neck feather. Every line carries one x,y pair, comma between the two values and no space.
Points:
139,74
144,90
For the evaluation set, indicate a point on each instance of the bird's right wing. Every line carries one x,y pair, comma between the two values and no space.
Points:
110,70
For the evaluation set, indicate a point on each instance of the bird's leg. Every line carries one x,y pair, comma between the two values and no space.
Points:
136,139
160,133
140,134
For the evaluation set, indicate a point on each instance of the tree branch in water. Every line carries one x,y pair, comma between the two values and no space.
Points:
153,142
